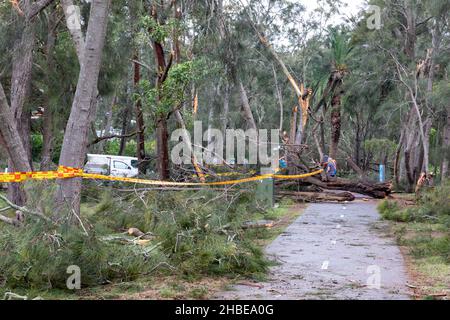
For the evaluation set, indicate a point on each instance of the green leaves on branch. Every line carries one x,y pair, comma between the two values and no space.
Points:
171,93
159,32
381,149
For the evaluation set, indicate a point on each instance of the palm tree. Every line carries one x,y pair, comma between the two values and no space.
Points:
339,52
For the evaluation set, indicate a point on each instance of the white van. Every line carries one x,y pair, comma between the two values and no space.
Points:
116,166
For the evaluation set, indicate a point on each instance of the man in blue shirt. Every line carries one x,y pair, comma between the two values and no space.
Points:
329,166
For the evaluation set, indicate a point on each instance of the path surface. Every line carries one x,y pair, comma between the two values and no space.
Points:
332,251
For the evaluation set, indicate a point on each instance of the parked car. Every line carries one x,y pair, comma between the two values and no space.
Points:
116,166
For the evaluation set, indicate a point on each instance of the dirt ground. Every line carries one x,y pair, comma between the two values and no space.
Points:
332,251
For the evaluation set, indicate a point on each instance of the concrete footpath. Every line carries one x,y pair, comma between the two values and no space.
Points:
332,251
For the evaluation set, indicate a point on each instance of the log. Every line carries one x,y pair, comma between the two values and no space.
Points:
135,232
317,196
267,224
377,190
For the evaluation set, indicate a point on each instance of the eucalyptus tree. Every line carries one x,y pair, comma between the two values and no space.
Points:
77,129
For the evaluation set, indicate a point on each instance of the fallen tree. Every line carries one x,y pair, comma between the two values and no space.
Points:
375,190
302,196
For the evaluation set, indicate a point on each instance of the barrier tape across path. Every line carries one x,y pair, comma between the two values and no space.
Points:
68,172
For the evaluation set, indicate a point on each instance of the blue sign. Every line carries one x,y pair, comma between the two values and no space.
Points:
382,172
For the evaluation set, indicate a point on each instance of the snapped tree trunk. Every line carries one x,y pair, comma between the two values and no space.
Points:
246,110
75,142
188,142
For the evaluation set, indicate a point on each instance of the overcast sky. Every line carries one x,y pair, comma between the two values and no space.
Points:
353,7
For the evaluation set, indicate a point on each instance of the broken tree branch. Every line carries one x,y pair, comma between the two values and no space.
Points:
23,209
113,136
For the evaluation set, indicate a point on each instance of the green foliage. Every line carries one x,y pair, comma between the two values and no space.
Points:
36,146
427,246
390,211
160,101
429,221
382,150
207,239
113,147
159,32
37,256
195,232
340,47
433,206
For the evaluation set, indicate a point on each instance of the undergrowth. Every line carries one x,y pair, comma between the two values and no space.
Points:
432,210
193,233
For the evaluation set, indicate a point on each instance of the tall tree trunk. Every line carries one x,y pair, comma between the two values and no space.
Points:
279,97
75,142
357,157
293,125
48,139
446,147
162,134
11,136
20,91
322,131
140,137
397,160
226,107
162,141
47,126
335,123
125,123
18,158
126,114
73,19
107,126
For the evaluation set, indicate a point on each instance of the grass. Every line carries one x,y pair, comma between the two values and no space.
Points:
422,230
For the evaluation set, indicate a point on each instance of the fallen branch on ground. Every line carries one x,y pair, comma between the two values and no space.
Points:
25,210
317,196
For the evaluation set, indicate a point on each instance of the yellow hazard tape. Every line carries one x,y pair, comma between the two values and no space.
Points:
226,174
68,172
